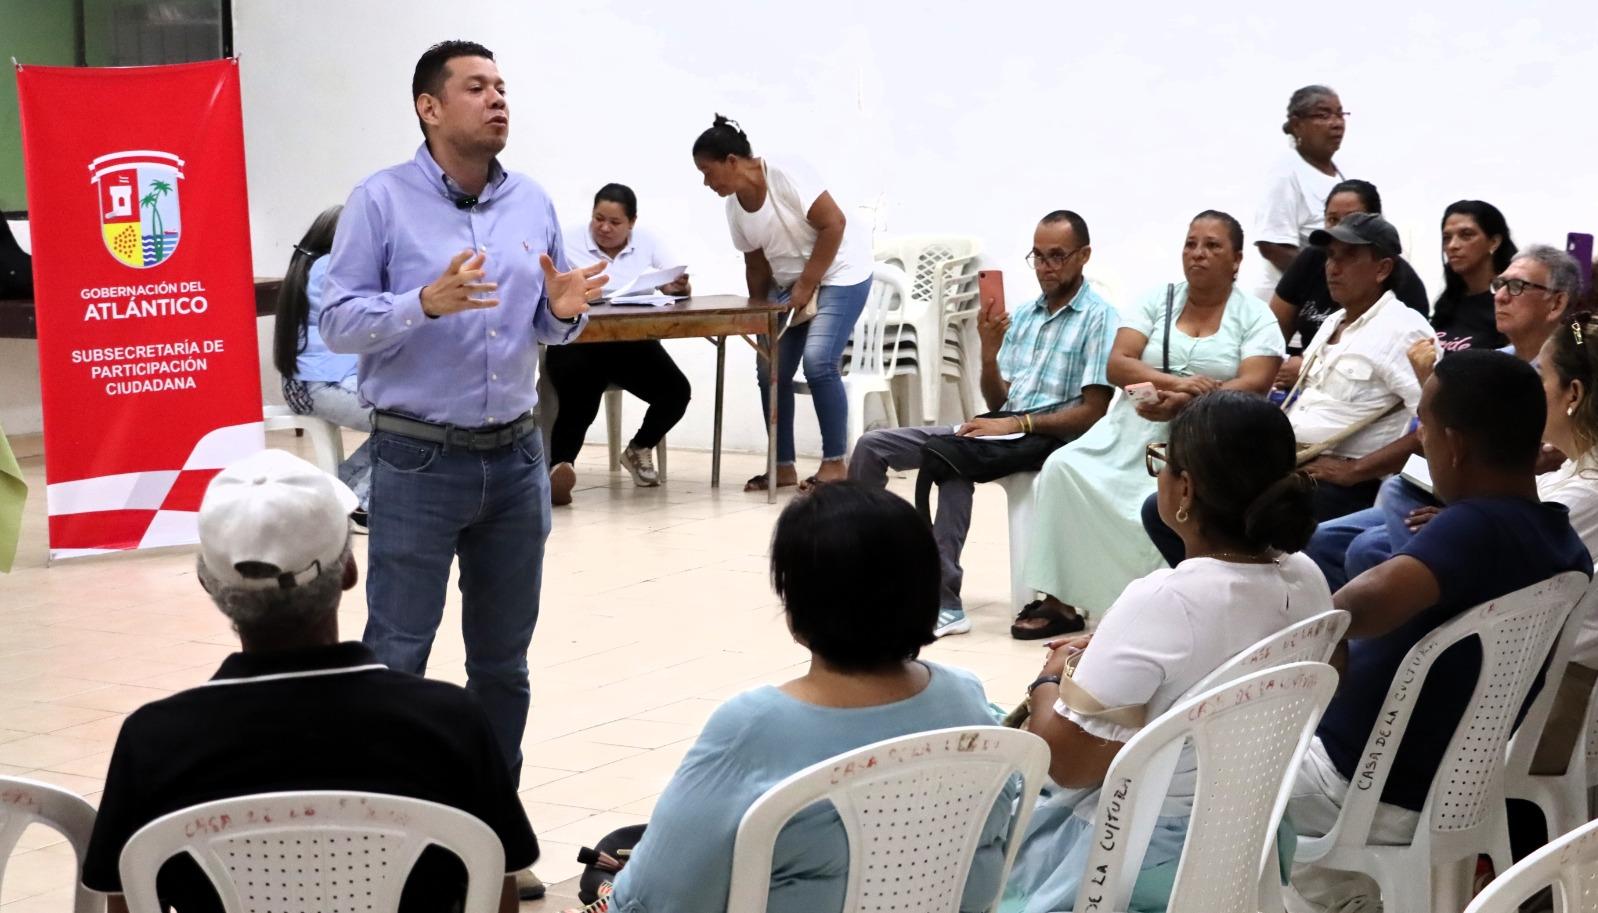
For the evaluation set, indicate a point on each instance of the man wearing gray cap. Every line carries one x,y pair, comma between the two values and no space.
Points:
300,710
1357,392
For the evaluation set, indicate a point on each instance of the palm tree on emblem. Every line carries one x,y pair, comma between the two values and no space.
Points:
158,189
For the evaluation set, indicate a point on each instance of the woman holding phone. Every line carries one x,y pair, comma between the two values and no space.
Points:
800,249
1182,341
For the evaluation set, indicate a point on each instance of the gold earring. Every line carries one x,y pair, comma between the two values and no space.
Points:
1181,513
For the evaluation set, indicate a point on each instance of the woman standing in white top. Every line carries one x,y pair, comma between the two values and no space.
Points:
581,374
797,246
1295,194
1229,488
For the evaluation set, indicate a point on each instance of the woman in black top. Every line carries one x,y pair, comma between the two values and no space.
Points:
1476,248
1303,302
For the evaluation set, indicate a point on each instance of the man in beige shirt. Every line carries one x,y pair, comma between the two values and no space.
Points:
1358,392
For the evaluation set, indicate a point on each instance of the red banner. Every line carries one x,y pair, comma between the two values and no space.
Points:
144,295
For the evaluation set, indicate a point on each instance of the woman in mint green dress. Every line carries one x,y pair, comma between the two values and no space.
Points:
1088,541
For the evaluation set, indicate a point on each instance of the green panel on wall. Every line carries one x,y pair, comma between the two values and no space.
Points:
37,32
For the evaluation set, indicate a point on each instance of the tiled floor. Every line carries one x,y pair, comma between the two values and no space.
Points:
656,607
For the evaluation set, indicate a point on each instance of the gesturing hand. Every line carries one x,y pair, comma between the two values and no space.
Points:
568,292
452,291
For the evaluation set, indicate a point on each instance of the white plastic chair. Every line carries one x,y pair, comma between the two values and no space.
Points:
1562,798
1463,815
614,434
1021,498
327,444
943,296
1570,862
865,372
1309,641
921,799
24,802
312,852
1248,736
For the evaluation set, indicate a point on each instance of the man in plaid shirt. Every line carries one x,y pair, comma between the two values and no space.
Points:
1043,373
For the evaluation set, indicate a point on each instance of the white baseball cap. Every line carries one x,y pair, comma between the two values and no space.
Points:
273,520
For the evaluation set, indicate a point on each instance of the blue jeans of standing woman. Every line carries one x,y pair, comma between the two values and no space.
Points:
819,344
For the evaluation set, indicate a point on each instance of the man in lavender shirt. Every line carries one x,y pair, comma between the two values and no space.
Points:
446,273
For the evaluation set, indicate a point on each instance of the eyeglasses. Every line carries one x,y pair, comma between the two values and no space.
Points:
1156,458
1322,117
1515,286
1054,260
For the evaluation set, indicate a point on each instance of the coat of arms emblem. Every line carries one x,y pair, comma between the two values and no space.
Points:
139,215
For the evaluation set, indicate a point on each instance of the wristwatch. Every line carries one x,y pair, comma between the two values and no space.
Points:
1042,680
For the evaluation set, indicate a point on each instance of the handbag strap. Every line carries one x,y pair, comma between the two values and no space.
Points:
1170,299
1314,450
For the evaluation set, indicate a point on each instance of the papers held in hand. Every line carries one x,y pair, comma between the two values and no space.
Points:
1418,473
642,289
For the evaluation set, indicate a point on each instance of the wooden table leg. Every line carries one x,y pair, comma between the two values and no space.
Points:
715,434
771,414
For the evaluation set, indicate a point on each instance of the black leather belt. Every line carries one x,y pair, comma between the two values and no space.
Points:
491,438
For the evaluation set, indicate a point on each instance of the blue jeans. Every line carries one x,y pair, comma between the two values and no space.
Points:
492,509
819,344
1349,546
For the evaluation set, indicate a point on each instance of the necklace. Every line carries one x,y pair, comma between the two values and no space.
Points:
1241,557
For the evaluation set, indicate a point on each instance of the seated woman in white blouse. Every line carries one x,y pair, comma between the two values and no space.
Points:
581,373
1228,486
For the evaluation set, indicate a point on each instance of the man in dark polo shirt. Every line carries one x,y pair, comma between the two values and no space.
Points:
1481,419
297,709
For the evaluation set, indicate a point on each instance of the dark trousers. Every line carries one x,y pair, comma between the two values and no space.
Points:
1331,502
580,374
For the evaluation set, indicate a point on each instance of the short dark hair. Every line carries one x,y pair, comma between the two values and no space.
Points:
1496,401
622,196
1238,449
1079,225
723,138
1234,228
857,570
1369,197
428,77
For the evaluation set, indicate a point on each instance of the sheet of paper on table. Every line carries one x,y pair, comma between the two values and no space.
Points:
646,283
648,300
1418,473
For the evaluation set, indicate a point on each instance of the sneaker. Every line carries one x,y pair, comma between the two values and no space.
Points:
641,463
528,887
951,621
562,479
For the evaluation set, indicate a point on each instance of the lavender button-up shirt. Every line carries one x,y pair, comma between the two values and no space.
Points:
398,232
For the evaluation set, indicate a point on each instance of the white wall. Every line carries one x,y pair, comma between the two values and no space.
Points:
964,119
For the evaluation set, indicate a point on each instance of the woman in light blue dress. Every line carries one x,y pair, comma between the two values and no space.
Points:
857,571
1088,541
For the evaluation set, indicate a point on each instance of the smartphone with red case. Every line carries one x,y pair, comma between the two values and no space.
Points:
990,290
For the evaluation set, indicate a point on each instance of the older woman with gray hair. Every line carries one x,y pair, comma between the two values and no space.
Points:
1294,203
300,710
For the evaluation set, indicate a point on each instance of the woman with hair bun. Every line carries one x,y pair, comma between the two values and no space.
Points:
798,247
1228,485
